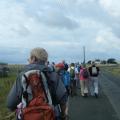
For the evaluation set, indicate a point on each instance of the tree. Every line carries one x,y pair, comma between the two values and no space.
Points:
111,61
103,62
89,62
97,60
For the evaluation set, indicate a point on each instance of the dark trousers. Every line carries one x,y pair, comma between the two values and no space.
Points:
73,87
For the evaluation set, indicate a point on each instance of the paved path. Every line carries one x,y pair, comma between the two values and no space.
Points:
111,87
106,107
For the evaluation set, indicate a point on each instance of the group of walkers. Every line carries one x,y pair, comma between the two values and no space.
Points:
41,91
88,78
76,76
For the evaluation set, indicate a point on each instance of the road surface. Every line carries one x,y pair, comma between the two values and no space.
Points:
106,107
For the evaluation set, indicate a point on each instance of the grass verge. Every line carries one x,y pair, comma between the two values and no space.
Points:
5,85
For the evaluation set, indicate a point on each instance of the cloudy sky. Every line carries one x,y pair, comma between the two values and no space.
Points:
62,27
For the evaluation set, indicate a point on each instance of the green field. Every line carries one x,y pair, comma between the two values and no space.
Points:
5,85
113,69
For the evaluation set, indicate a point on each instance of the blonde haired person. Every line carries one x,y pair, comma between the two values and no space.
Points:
37,60
39,55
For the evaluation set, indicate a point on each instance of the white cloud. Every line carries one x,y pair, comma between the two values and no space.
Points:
20,29
12,18
107,40
57,19
90,23
111,6
63,27
99,39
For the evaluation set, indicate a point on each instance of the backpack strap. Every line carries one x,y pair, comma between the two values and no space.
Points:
25,93
46,88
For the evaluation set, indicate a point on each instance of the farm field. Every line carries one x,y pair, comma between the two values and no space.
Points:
5,85
115,70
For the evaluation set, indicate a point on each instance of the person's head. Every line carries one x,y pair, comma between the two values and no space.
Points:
72,65
83,66
53,63
66,67
93,64
38,55
59,66
47,63
63,61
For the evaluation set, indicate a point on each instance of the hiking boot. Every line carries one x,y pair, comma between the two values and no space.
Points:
66,117
82,95
85,95
96,95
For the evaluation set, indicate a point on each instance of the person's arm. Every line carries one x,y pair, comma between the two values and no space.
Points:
98,69
69,79
90,71
14,96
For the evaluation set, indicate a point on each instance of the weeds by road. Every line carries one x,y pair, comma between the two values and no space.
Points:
114,70
5,85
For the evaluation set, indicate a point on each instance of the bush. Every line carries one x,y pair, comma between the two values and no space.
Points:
111,61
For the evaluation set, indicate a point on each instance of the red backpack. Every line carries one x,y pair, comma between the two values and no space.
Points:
39,106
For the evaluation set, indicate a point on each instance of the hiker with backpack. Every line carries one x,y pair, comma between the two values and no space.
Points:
37,90
72,80
93,83
77,72
65,77
66,81
84,77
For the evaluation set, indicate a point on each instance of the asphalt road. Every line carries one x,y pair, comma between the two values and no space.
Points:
106,107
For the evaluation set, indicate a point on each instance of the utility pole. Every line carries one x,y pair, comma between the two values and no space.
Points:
84,55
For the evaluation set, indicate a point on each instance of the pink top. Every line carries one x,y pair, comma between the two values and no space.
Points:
81,76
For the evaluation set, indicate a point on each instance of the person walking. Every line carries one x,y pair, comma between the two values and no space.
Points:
84,77
73,89
77,72
61,69
94,82
37,90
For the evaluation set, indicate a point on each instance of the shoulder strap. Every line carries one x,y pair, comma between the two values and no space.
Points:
25,93
46,89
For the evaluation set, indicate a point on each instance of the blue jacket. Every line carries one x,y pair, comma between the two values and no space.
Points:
66,78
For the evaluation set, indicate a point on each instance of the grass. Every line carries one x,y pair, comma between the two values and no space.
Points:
5,86
115,70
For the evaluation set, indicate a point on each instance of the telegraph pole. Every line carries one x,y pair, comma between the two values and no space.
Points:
84,55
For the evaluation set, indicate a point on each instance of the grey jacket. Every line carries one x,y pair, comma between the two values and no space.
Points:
57,89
